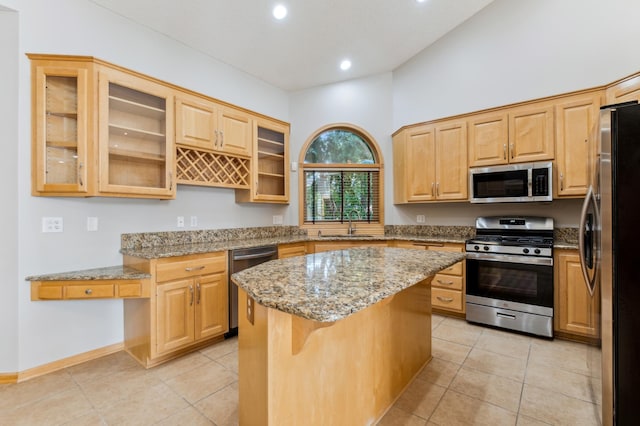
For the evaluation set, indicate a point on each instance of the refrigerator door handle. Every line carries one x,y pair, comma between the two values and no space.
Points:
589,199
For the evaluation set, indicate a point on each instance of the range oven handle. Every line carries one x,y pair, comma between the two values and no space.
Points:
589,199
526,260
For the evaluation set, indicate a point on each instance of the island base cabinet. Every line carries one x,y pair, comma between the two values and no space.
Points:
296,371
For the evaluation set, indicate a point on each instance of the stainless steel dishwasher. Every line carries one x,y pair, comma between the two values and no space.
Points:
240,260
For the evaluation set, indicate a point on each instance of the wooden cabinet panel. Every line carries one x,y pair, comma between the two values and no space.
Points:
195,123
211,313
235,130
190,266
576,312
624,91
89,289
175,325
95,291
446,299
488,139
420,172
576,141
451,161
447,281
291,250
531,133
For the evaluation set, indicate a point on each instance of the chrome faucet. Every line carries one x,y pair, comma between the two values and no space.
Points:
352,228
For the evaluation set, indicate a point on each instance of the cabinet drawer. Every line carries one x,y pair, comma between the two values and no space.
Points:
447,281
453,270
447,299
95,291
129,290
189,266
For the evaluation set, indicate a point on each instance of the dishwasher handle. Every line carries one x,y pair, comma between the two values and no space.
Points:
255,255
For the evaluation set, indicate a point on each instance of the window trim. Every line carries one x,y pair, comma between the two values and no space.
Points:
374,228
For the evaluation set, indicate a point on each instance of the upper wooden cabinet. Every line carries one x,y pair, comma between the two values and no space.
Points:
203,124
269,170
61,128
99,130
430,163
625,90
514,135
576,143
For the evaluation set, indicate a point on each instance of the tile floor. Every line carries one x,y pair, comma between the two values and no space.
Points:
478,376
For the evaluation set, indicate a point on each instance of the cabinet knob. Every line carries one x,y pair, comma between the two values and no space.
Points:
88,292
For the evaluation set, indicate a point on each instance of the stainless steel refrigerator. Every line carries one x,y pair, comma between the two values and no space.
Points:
609,236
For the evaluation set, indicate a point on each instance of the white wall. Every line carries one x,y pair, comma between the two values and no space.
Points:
49,331
364,102
9,175
509,52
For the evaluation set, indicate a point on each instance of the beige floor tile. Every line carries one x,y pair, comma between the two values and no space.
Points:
436,320
398,417
179,366
57,408
571,356
439,371
460,335
148,406
493,363
187,417
554,408
565,382
109,364
220,349
528,421
457,409
202,381
92,419
504,344
420,398
462,323
449,351
229,361
222,406
490,388
17,395
107,391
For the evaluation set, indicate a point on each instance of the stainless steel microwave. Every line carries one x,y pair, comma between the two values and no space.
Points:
513,183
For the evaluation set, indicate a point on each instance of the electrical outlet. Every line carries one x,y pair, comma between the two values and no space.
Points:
52,224
194,221
180,222
420,218
92,223
277,219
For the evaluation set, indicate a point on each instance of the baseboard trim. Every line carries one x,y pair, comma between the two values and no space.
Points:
64,363
8,378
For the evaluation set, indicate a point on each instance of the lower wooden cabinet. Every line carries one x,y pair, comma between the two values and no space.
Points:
291,250
448,286
188,307
89,289
576,312
339,245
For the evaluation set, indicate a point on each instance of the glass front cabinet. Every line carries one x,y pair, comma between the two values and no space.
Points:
100,131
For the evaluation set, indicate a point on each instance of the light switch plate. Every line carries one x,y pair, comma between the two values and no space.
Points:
277,219
52,224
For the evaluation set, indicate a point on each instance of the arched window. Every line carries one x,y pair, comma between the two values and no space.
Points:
341,181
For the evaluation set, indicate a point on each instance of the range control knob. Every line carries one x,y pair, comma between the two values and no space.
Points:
525,251
486,248
537,251
476,248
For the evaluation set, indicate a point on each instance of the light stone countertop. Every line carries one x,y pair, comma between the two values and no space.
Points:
332,285
107,273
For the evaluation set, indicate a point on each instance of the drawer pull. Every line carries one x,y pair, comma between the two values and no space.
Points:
445,282
445,299
194,268
88,292
507,316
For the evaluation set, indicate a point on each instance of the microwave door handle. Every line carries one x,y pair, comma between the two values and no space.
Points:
530,181
589,199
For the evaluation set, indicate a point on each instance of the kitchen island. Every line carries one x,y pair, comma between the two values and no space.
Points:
333,337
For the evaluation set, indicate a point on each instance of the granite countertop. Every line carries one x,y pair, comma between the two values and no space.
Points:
332,285
108,273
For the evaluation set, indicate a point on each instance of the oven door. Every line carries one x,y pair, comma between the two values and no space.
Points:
521,279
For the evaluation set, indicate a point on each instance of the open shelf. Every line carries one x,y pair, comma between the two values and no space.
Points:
62,144
135,108
263,154
115,129
124,154
273,175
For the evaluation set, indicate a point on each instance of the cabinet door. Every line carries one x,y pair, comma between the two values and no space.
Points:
60,129
211,313
175,315
531,135
576,122
624,91
576,311
136,137
291,250
451,162
488,139
195,123
420,152
235,132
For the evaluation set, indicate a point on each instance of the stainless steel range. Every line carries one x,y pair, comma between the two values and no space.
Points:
510,274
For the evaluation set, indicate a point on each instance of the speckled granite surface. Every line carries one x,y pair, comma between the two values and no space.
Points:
565,238
107,273
332,285
445,234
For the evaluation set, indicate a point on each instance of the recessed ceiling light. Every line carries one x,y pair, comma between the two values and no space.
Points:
421,1
345,65
279,11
